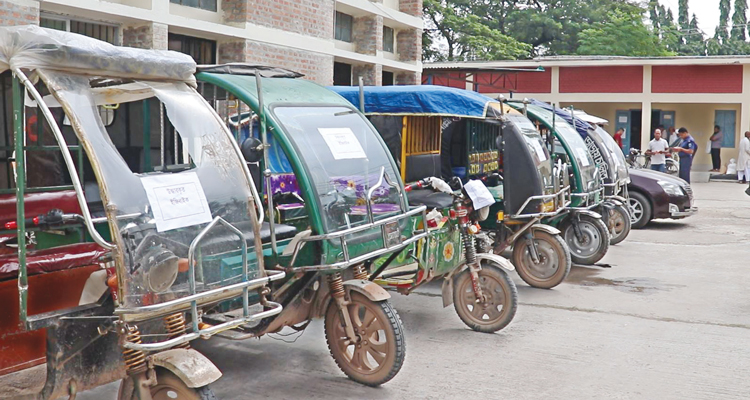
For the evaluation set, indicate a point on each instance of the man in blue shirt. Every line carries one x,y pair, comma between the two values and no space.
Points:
687,149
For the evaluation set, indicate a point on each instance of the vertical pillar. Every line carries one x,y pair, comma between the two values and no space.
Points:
368,34
151,35
646,107
372,74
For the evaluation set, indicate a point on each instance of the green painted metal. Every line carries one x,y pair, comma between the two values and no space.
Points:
146,136
18,129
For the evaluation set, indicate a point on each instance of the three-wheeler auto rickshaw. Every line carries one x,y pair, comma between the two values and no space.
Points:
586,234
612,172
436,130
116,238
475,280
334,203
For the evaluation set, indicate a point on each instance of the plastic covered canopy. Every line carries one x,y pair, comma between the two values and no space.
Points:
32,47
581,126
420,100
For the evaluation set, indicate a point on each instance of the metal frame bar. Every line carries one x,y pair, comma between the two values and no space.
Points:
341,235
543,197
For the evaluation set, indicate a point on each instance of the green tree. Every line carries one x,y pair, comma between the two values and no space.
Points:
622,35
683,20
722,31
465,35
739,21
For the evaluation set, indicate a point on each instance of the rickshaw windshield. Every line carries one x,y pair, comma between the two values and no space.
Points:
159,200
581,154
536,146
344,157
617,155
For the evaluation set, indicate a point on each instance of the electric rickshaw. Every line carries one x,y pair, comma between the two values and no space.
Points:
583,229
475,280
125,212
612,169
451,132
334,203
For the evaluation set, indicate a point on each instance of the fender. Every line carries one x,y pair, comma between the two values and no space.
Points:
619,200
447,289
192,367
371,290
545,228
590,213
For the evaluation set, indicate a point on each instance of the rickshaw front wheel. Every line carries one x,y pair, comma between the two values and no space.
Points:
379,351
554,260
619,224
499,305
168,387
593,244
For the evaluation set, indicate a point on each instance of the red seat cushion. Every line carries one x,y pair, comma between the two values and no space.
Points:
39,203
53,259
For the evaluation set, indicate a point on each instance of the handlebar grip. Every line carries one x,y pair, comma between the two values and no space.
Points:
417,185
28,222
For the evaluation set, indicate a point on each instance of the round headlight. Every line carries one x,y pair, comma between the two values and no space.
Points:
161,268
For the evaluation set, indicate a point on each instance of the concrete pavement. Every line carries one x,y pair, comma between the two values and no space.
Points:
670,319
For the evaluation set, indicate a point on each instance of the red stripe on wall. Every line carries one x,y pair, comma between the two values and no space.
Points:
696,79
625,79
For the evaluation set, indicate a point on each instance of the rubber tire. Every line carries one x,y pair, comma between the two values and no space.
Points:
556,241
395,339
127,392
647,211
601,227
509,290
625,212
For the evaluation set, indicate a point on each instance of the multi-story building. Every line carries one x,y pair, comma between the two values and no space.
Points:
330,41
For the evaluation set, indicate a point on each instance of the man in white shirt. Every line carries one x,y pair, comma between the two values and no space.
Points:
657,148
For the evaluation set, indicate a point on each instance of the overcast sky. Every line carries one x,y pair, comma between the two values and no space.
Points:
707,12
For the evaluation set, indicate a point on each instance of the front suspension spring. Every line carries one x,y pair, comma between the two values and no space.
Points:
470,249
336,283
176,326
135,360
360,272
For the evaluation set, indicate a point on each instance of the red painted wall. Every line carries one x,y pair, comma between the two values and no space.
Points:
452,79
696,79
521,82
624,79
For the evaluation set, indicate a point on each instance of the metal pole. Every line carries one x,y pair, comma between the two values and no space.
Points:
361,95
18,122
267,171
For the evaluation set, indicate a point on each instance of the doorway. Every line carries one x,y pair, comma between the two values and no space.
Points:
636,117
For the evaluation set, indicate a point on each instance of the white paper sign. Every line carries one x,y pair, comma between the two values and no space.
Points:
342,142
539,150
583,156
177,200
479,194
623,119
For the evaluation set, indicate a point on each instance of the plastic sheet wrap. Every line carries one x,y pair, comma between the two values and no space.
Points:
33,47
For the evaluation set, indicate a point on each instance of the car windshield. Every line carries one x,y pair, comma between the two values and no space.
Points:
343,156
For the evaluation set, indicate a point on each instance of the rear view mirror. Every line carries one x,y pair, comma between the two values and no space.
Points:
252,149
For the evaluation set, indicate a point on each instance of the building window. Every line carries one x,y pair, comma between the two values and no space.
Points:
387,78
342,74
209,5
388,39
104,32
203,51
344,24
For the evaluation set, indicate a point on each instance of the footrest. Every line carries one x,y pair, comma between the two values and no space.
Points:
394,282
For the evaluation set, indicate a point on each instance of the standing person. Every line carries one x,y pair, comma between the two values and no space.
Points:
687,149
673,139
657,148
716,140
618,136
743,165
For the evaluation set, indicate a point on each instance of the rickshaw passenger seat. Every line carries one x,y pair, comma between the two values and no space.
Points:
430,198
53,259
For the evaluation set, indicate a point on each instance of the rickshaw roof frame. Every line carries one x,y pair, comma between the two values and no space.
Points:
420,100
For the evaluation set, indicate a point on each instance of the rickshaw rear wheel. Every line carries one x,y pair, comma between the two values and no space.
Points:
379,353
619,224
595,242
501,299
554,264
168,387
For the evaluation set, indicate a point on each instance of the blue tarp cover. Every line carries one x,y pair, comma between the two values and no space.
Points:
581,126
418,100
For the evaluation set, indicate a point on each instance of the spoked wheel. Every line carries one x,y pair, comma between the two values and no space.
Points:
379,352
640,210
554,260
498,307
594,241
619,224
168,387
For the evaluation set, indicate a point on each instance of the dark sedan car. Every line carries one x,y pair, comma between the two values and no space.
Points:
657,195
